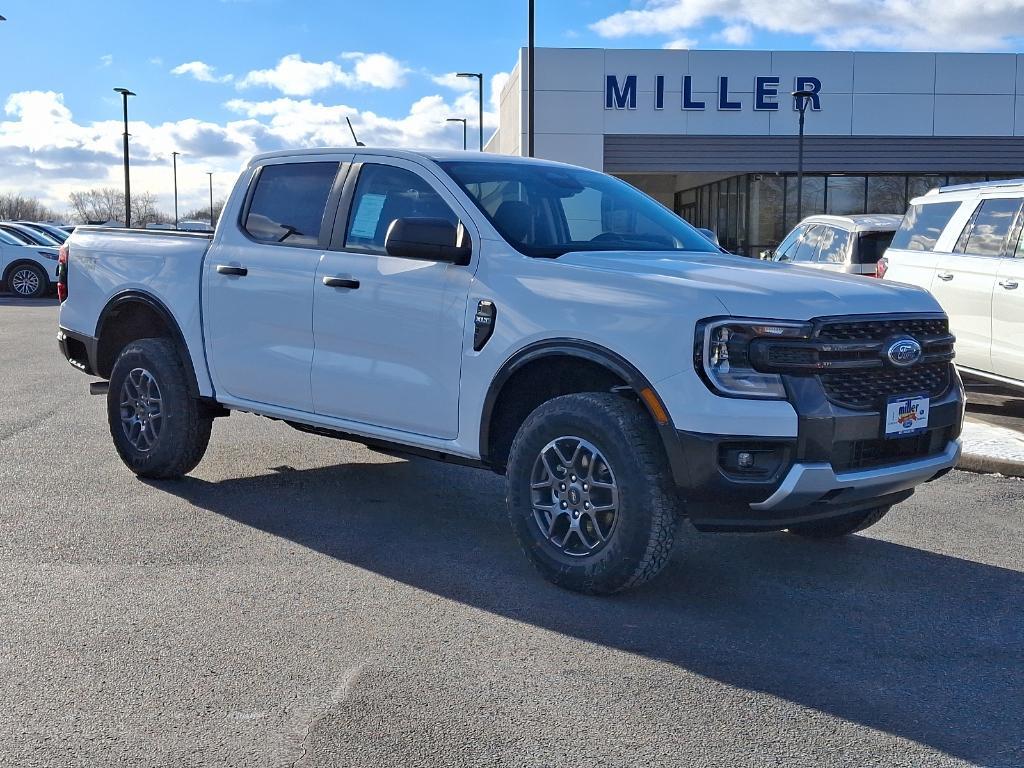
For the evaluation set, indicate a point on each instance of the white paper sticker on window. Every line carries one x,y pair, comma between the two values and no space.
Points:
364,223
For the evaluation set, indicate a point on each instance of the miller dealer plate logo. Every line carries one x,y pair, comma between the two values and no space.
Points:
904,352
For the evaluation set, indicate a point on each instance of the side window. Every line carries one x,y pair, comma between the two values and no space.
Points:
808,246
385,193
784,250
835,245
922,225
987,232
288,203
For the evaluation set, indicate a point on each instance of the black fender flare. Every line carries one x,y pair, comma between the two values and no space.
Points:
141,297
595,353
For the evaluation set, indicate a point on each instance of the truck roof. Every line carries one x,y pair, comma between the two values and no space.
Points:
435,155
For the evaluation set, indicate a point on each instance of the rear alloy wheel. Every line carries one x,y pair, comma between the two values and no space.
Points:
589,493
28,281
158,427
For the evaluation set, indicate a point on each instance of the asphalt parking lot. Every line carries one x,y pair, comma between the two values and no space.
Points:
303,601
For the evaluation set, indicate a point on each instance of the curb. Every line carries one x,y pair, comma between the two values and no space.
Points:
989,449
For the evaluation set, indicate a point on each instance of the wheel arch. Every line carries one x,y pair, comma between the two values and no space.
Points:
618,375
144,316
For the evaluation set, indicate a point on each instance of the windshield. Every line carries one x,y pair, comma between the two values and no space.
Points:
548,211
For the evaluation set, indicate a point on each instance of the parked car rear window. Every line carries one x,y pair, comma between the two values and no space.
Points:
989,227
871,246
922,225
288,205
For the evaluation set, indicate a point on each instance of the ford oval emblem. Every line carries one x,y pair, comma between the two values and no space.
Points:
904,352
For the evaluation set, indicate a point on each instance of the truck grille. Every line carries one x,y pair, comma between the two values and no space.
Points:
848,355
864,454
864,388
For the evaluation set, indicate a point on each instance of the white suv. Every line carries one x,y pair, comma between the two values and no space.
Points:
964,244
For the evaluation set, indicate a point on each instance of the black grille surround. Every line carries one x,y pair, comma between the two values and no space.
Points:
848,356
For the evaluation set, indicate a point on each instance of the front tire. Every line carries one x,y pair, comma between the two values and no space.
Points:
156,424
589,493
837,527
28,281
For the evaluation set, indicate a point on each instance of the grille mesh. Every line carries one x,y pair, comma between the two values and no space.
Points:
879,330
870,388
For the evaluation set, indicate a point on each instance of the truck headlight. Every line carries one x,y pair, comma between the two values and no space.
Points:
722,356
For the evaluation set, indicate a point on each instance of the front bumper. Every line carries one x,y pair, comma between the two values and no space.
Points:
838,463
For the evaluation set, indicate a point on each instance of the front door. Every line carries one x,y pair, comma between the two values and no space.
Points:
258,287
390,331
1008,316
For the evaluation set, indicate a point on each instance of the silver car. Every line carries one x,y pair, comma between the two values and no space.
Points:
851,244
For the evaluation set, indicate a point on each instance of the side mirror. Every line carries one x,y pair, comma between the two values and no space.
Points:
428,240
767,255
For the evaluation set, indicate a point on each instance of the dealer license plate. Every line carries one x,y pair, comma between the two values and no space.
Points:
906,416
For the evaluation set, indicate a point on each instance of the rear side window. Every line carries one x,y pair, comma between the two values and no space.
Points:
922,225
987,231
288,204
835,244
871,246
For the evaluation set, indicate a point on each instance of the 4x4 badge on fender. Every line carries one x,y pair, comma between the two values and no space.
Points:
904,352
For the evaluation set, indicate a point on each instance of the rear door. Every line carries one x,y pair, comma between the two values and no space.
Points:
912,257
258,284
389,339
965,279
1008,315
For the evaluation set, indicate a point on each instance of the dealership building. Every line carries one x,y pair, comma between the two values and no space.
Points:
713,134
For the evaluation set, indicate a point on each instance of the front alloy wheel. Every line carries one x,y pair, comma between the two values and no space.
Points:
575,497
28,282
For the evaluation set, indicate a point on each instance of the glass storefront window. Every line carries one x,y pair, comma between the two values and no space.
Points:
813,199
766,200
919,185
887,194
845,195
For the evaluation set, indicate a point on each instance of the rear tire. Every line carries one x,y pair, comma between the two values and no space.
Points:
157,426
28,281
836,527
603,519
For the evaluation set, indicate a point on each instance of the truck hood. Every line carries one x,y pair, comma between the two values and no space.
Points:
753,288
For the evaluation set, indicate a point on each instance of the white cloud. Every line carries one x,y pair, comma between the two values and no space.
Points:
456,83
681,43
736,34
156,61
201,71
294,76
875,24
106,59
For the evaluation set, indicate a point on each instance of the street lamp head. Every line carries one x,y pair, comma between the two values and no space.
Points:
469,74
455,119
124,91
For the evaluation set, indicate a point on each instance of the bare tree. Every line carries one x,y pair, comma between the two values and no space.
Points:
107,204
203,214
14,207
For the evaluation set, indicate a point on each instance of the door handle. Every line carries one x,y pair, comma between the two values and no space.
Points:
227,269
1008,284
341,282
947,276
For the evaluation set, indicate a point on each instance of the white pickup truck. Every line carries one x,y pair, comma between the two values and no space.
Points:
547,322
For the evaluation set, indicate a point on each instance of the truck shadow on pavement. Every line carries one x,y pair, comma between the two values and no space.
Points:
924,646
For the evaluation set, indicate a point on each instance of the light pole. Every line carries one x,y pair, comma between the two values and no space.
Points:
125,93
174,159
530,85
480,97
210,174
802,100
463,121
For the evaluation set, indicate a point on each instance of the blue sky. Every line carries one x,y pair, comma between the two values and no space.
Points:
259,74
